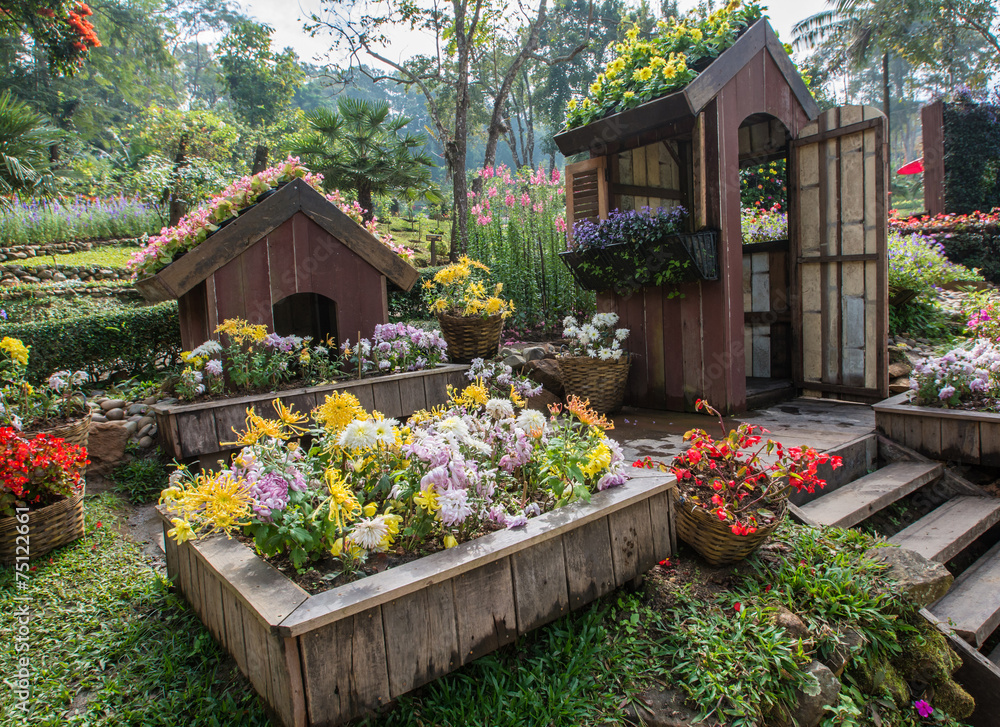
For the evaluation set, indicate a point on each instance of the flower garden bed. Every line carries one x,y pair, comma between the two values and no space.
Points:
969,437
334,656
196,430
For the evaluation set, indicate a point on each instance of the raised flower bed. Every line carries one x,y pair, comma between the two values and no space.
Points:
331,657
197,430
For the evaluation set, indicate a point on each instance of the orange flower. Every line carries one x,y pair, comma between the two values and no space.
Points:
583,412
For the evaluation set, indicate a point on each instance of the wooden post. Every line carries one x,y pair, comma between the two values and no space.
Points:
932,123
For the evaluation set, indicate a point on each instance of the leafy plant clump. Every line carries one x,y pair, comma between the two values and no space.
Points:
918,262
140,479
646,69
966,377
79,218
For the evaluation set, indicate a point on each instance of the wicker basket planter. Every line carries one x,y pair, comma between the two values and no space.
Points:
713,539
75,432
472,337
602,382
49,527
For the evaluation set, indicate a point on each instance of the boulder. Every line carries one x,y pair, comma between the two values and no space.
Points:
114,415
136,409
791,623
145,421
105,447
546,372
661,708
543,400
922,580
533,353
899,386
515,361
109,404
899,368
848,643
146,442
810,704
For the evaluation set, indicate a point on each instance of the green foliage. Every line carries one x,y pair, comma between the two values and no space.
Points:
117,647
362,148
33,304
406,306
128,342
971,155
140,480
25,138
57,28
763,186
110,256
922,318
919,263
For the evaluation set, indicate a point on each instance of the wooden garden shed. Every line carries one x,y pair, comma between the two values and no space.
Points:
813,310
293,262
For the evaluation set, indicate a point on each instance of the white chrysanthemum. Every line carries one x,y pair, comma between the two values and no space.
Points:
569,322
500,408
621,334
385,431
455,507
601,320
208,348
531,421
454,426
605,354
358,435
370,533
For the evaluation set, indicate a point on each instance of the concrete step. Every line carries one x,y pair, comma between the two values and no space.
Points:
972,606
995,655
854,502
945,532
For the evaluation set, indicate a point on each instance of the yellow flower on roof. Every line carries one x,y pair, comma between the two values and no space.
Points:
642,74
632,33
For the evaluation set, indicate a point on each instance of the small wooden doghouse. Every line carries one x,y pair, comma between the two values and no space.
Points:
814,310
293,262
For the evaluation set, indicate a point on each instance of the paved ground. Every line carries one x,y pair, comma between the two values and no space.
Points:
820,423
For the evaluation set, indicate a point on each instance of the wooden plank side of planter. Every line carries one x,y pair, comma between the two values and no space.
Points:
386,397
232,611
631,542
198,432
590,573
211,602
255,636
541,594
412,397
661,516
421,637
989,444
487,618
930,435
285,676
960,440
344,668
170,553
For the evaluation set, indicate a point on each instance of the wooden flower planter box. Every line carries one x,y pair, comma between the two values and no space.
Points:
328,658
969,437
190,431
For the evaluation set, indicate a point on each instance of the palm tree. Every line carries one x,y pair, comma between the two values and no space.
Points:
856,27
26,141
361,147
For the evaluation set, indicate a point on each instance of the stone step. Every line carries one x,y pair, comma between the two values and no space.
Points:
995,655
854,502
972,606
945,532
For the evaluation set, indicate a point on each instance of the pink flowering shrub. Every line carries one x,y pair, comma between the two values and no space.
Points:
963,376
196,226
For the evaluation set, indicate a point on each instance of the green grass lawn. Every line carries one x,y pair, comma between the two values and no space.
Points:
416,239
105,257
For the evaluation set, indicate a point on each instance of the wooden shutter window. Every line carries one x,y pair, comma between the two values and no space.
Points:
586,192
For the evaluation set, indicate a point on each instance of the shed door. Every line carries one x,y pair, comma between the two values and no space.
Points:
586,191
838,230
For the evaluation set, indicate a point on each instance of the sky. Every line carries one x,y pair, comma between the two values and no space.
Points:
285,16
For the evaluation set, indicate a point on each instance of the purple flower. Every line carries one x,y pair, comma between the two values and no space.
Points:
923,708
269,493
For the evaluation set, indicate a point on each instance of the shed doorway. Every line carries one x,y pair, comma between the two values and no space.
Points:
306,314
767,315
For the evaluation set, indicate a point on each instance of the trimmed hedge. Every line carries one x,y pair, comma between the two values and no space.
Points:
129,343
971,155
410,306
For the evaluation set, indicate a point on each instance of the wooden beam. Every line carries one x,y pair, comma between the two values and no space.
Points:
839,131
644,191
859,257
791,74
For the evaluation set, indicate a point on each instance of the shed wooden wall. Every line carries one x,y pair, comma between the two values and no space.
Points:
692,346
298,256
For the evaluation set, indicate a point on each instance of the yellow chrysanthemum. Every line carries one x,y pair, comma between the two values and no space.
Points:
473,395
258,428
339,410
427,499
181,532
642,74
344,506
597,460
495,305
289,418
16,350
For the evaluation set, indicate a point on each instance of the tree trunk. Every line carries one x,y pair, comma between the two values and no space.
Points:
365,200
457,152
259,159
886,95
177,207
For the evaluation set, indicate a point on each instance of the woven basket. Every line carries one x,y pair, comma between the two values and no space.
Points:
49,527
472,337
75,432
713,538
603,382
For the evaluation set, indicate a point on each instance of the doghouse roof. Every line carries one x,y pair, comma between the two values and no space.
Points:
693,98
251,227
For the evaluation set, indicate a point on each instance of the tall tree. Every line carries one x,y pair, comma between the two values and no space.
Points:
58,28
25,140
363,148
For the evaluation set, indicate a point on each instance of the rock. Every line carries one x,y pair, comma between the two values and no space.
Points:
131,427
105,447
145,421
809,708
849,642
115,415
108,404
900,385
543,400
515,361
136,409
533,353
145,430
150,400
546,372
98,418
59,277
900,368
146,442
922,580
19,255
167,401
45,274
791,623
30,279
661,708
153,431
